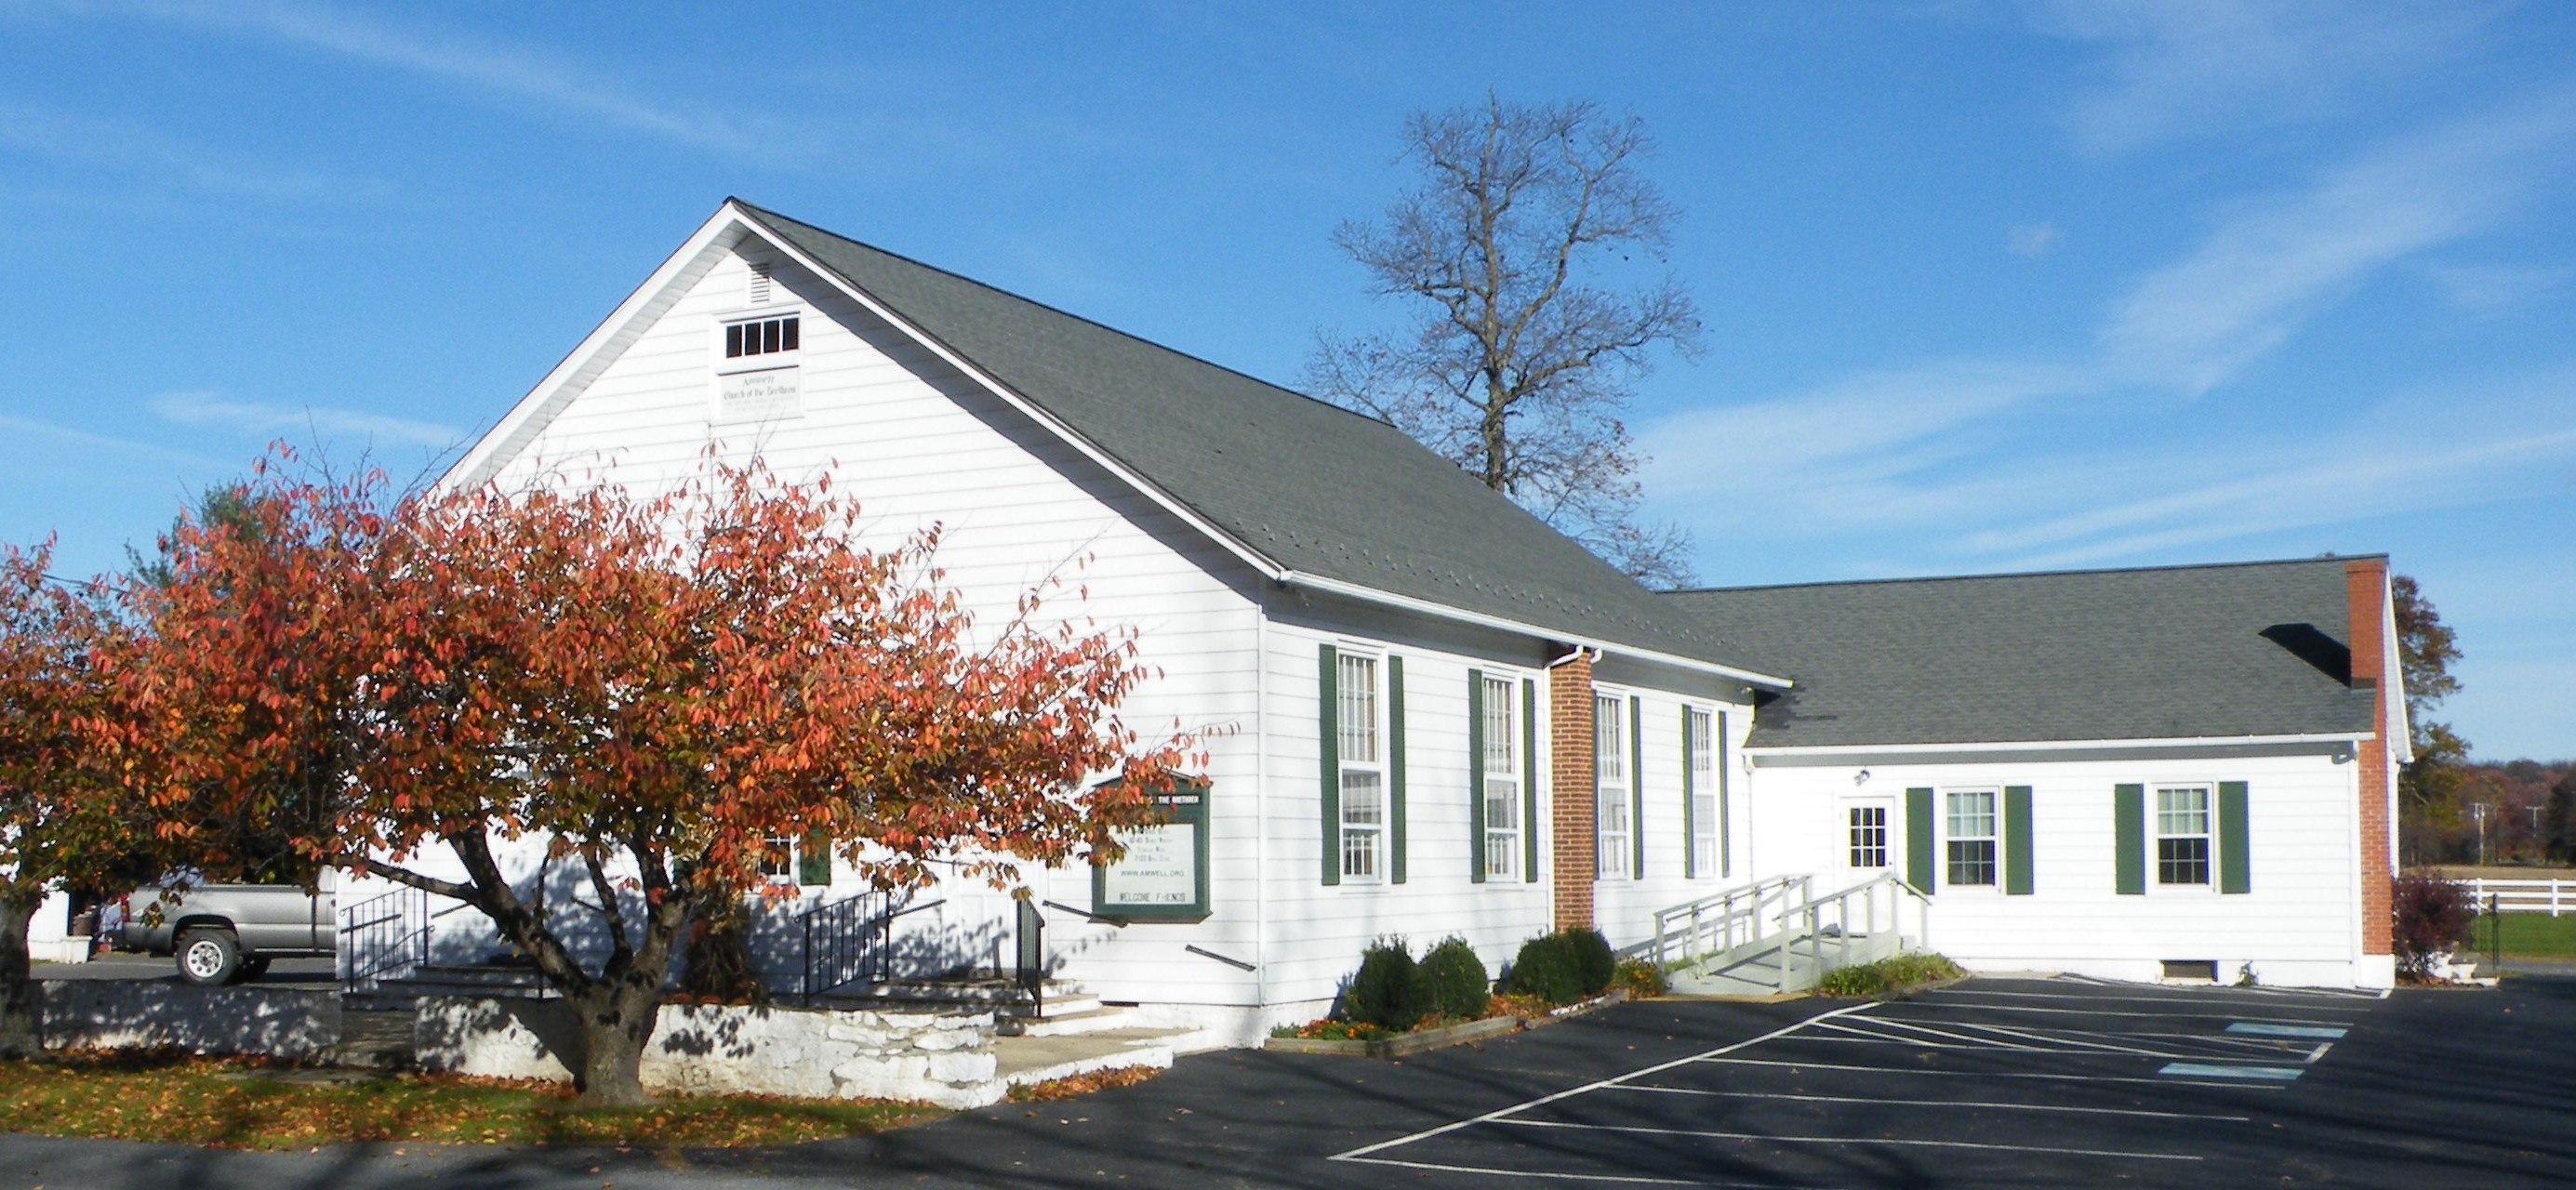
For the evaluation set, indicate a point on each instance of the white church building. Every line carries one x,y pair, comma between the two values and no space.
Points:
1429,714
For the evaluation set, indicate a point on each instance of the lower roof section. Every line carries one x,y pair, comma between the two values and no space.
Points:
2186,655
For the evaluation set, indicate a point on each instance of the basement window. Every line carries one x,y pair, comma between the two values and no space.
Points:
2191,970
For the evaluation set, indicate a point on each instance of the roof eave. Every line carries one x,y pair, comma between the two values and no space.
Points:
1350,590
1758,751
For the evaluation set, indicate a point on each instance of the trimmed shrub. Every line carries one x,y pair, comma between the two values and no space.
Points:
1453,980
2433,916
1386,990
1592,959
1546,968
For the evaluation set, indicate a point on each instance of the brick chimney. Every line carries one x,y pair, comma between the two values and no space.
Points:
2366,603
1570,782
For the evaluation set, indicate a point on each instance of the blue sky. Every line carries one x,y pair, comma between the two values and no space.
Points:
1989,286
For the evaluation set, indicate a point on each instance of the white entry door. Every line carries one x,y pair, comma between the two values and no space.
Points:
1867,844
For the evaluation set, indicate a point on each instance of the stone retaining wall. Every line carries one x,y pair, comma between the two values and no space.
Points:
128,1014
940,1058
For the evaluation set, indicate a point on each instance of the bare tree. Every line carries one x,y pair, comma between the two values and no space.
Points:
1520,365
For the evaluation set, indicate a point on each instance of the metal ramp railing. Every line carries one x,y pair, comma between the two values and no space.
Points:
1775,936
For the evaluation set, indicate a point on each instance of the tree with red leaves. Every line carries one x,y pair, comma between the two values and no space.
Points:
654,686
62,819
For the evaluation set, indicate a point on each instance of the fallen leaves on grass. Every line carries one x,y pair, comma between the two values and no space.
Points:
237,1103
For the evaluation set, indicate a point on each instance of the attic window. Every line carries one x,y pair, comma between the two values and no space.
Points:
766,337
759,283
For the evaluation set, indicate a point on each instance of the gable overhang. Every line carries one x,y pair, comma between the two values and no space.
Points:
734,221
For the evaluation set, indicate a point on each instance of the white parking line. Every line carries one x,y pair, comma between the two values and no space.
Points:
1849,1140
1961,1103
1556,1176
2163,1016
1905,1070
1571,1092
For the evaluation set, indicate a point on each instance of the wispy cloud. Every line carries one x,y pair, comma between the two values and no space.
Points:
123,446
2031,239
493,70
2489,287
2181,68
259,417
93,142
2279,260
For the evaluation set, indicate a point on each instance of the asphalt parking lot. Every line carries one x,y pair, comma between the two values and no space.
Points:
2038,1082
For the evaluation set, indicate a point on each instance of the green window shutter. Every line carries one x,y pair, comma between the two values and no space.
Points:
1636,788
814,859
1529,780
2235,863
1725,824
1328,704
2129,830
1395,769
2017,840
1476,776
1918,840
1690,813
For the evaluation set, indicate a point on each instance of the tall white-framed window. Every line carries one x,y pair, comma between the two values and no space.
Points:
1615,834
2182,835
1971,837
1706,843
1360,717
1502,791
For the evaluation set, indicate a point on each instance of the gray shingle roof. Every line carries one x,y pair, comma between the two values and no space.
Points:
1310,486
2182,652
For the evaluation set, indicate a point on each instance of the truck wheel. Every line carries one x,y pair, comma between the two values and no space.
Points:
254,967
209,958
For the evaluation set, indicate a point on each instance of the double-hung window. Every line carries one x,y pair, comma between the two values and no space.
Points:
1616,834
2182,834
1971,839
1363,758
1502,791
1705,842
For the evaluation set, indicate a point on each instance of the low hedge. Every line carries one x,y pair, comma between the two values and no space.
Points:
1452,980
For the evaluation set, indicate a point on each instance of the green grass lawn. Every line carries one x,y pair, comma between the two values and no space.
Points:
2527,934
239,1104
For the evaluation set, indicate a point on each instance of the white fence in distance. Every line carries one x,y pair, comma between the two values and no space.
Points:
2553,897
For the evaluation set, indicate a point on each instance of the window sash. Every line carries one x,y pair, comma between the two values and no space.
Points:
2183,838
1358,730
1703,786
1970,851
1867,837
1613,833
1502,791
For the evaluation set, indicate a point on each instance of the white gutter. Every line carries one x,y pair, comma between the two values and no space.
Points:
2204,741
1317,582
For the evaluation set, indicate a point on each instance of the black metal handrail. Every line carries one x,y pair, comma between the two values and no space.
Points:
384,936
846,941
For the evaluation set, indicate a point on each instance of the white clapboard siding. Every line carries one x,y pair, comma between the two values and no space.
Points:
917,445
2297,924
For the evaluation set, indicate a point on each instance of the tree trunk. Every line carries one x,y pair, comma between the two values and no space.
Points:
20,1014
616,1019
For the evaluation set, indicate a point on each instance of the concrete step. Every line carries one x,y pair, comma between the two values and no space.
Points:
1020,1061
1003,997
1095,1019
380,1040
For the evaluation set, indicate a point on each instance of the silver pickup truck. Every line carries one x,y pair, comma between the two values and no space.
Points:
225,933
